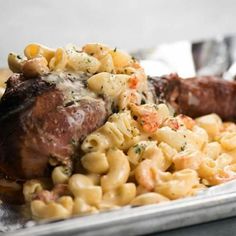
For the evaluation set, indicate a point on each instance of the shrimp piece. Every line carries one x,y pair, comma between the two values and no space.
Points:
47,196
188,159
136,65
147,116
60,190
146,174
133,82
223,175
127,97
186,120
149,122
172,123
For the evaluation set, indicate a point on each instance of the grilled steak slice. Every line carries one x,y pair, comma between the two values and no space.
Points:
44,119
197,96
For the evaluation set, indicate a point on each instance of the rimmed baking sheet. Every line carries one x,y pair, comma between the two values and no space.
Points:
141,220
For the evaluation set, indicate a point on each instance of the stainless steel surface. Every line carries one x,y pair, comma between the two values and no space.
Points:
140,220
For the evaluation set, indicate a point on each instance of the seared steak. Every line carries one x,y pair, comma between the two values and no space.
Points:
44,119
197,96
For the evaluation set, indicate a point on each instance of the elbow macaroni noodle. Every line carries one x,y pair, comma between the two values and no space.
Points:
141,155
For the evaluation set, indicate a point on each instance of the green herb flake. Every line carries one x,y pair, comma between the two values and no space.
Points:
137,149
67,171
143,101
156,107
182,148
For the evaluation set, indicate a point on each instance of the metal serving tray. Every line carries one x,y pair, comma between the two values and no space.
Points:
210,57
141,220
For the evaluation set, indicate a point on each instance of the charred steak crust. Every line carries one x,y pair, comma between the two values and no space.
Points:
166,89
37,123
21,93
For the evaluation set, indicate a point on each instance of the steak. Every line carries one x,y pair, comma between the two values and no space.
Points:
43,120
197,96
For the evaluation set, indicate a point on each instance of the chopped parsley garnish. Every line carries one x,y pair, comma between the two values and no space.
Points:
156,107
183,146
114,108
67,171
137,149
143,101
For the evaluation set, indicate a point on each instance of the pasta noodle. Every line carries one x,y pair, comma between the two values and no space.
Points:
15,62
148,198
120,196
53,210
180,185
60,175
37,50
30,188
59,60
120,131
35,67
108,84
118,170
95,162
